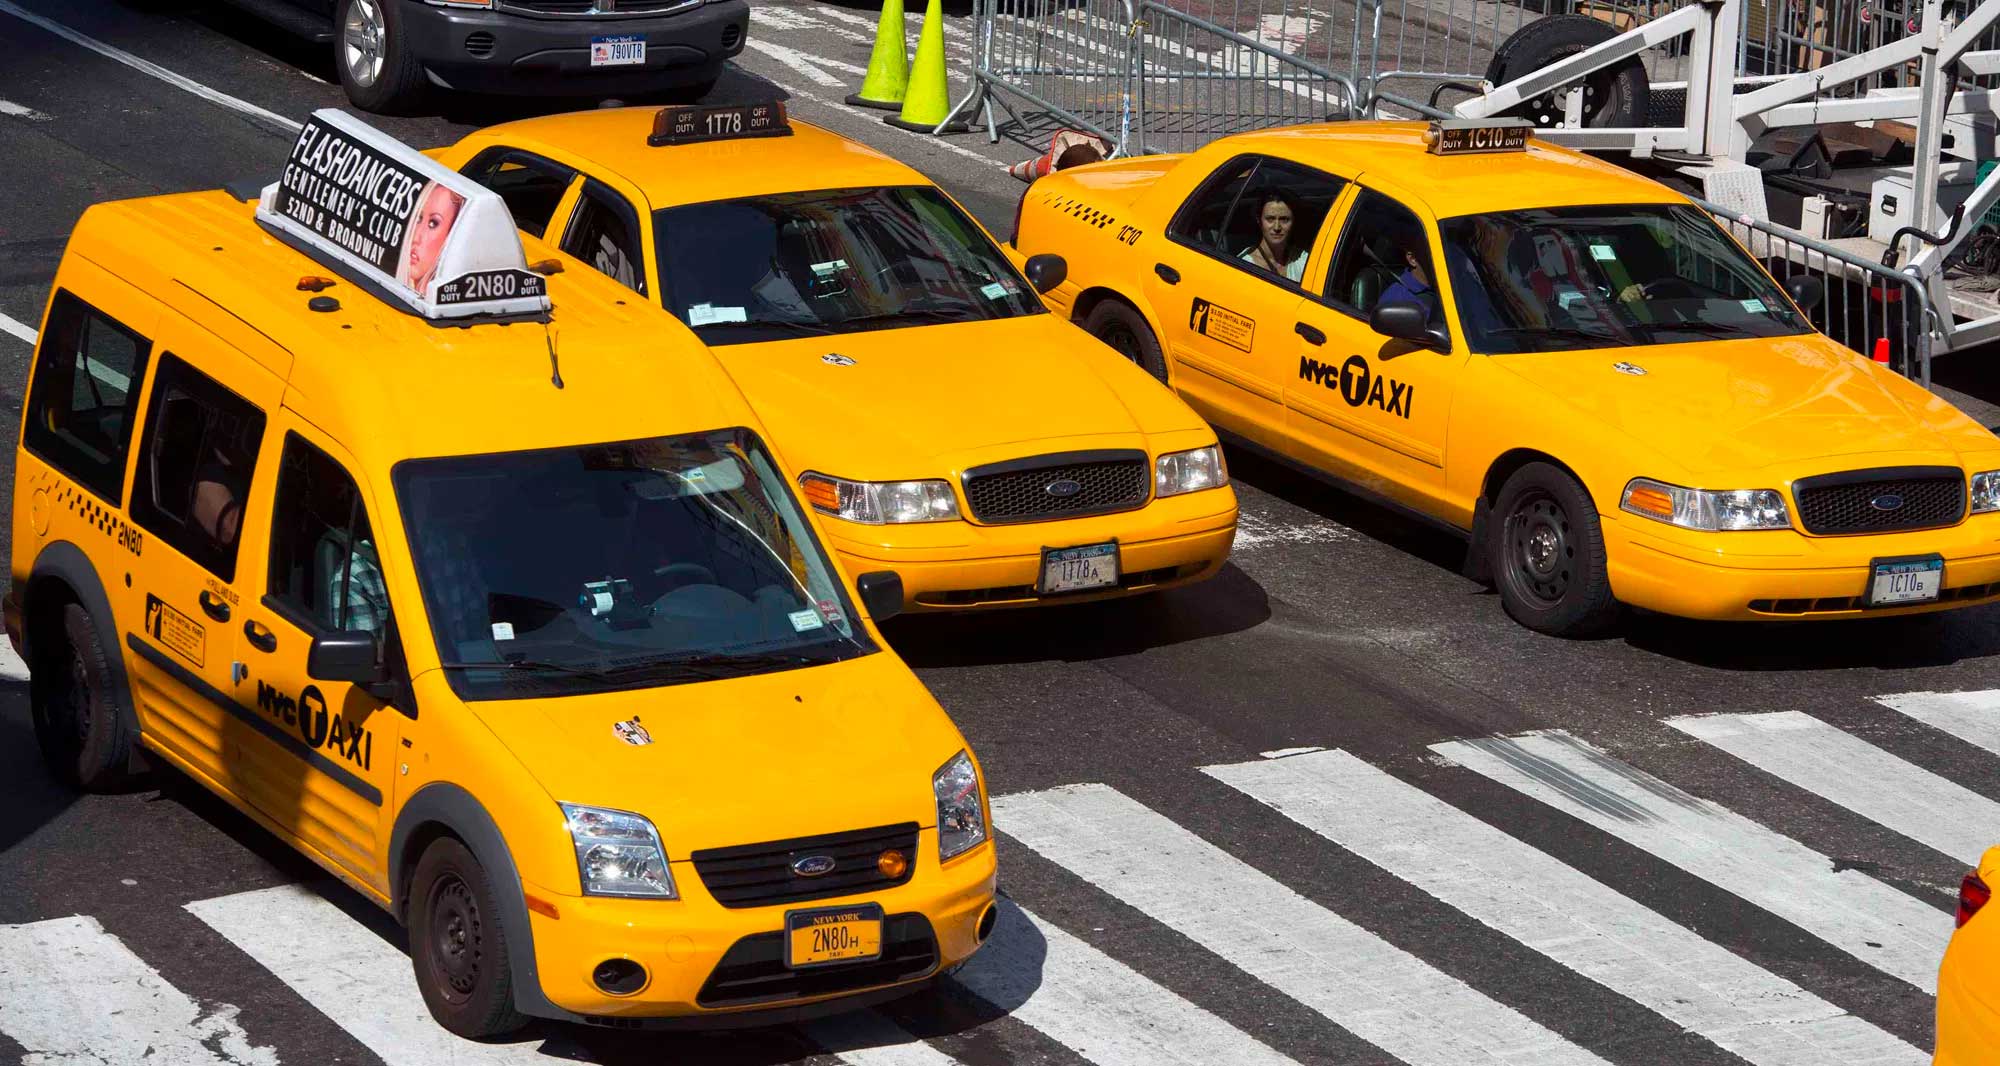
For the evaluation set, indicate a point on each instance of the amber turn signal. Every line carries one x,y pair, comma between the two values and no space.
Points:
893,864
821,493
1650,500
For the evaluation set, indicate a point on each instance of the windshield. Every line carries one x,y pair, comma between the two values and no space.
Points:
621,565
1601,277
831,261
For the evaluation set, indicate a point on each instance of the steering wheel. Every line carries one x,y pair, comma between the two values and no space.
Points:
675,575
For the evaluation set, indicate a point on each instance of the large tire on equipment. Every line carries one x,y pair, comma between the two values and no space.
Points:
1615,96
1546,554
376,65
457,945
1124,329
74,702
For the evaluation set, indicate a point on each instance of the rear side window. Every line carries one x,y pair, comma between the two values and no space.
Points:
323,560
195,462
604,232
530,185
87,374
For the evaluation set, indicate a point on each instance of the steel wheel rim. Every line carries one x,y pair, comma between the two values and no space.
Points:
362,41
1122,340
1541,550
456,943
76,701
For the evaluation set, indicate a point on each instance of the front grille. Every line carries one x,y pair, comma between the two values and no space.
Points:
754,971
596,7
1137,579
1931,496
1833,604
730,35
1018,490
757,875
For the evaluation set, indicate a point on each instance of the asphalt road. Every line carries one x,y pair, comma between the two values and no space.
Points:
1595,878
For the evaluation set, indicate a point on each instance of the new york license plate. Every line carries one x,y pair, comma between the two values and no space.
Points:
837,934
1899,581
628,51
1091,566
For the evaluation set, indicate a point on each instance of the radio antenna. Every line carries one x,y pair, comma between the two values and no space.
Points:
555,371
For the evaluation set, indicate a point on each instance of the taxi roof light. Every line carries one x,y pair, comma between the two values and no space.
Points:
690,124
1474,136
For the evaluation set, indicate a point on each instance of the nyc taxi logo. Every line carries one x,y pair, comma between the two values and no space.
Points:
1358,384
320,730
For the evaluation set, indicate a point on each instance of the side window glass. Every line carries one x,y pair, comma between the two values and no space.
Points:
605,234
323,559
1277,219
195,462
530,185
87,371
1383,257
1203,221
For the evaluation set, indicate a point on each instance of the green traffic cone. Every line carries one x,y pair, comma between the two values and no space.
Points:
928,99
888,67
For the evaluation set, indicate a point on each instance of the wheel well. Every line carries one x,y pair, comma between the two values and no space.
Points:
1505,466
1088,299
420,838
46,598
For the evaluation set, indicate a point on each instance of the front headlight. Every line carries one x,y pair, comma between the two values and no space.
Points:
1986,491
880,502
1713,510
961,812
1189,471
618,854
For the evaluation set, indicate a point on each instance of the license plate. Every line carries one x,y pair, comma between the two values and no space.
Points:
1897,581
1092,566
836,934
618,51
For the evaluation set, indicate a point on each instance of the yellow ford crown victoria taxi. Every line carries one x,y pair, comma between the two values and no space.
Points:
951,430
1570,364
487,594
1968,1006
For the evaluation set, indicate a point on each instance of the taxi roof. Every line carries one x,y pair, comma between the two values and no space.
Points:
614,140
1396,153
389,385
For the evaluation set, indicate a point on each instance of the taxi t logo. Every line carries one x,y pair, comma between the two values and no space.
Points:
1358,384
321,731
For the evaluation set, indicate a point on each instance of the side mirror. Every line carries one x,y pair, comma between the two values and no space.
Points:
1046,271
1406,322
1805,290
349,656
882,590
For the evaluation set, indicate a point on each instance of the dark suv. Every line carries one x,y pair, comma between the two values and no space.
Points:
388,51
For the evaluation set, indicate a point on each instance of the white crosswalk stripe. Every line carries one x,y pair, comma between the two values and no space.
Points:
1889,930
1562,913
1361,982
1973,717
1857,775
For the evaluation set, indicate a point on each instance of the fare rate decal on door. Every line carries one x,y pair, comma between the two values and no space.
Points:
1214,321
1358,384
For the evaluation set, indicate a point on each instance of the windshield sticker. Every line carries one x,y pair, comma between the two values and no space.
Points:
709,314
830,610
831,266
175,631
632,732
1238,331
1602,251
1359,385
503,631
1755,307
993,290
1567,297
804,620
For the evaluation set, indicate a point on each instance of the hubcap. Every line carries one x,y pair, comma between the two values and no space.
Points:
1123,341
455,941
1539,550
362,41
76,701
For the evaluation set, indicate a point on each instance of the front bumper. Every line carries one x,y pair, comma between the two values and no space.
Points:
953,566
684,943
1777,574
510,52
1968,1027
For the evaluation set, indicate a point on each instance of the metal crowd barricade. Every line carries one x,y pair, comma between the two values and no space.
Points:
1866,303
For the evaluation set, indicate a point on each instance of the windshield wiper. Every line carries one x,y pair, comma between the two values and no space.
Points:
529,665
1706,329
917,314
711,666
802,329
1560,332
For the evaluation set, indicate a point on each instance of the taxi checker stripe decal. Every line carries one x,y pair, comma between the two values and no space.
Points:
263,725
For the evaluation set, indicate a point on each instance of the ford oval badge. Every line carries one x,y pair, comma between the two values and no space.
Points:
1063,487
1888,501
813,866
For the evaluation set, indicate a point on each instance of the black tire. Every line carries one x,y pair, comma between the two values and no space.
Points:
457,945
1124,329
399,83
73,698
1618,95
1546,553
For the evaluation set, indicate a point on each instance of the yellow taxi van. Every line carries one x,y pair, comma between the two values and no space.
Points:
485,592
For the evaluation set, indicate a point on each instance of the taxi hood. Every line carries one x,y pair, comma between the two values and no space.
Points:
906,403
1791,406
820,749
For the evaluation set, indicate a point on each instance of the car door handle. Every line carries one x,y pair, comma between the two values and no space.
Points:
1311,334
1167,274
259,635
214,606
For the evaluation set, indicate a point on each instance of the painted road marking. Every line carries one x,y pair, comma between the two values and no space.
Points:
808,65
72,994
17,329
14,110
1875,923
1973,717
143,66
1857,775
865,1038
1371,988
12,667
1562,913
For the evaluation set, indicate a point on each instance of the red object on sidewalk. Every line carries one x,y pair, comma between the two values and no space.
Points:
1882,349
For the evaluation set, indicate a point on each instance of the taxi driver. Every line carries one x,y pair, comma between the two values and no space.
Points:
437,210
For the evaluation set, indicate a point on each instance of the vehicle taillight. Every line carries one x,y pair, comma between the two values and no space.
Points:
1972,895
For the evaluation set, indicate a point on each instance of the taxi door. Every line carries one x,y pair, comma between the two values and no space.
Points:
333,745
1229,322
1355,398
198,455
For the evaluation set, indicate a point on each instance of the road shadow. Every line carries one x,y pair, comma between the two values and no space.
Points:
34,797
1902,643
1229,602
1370,518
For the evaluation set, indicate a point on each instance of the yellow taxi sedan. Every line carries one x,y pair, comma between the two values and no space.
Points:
952,431
1968,1007
1571,365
